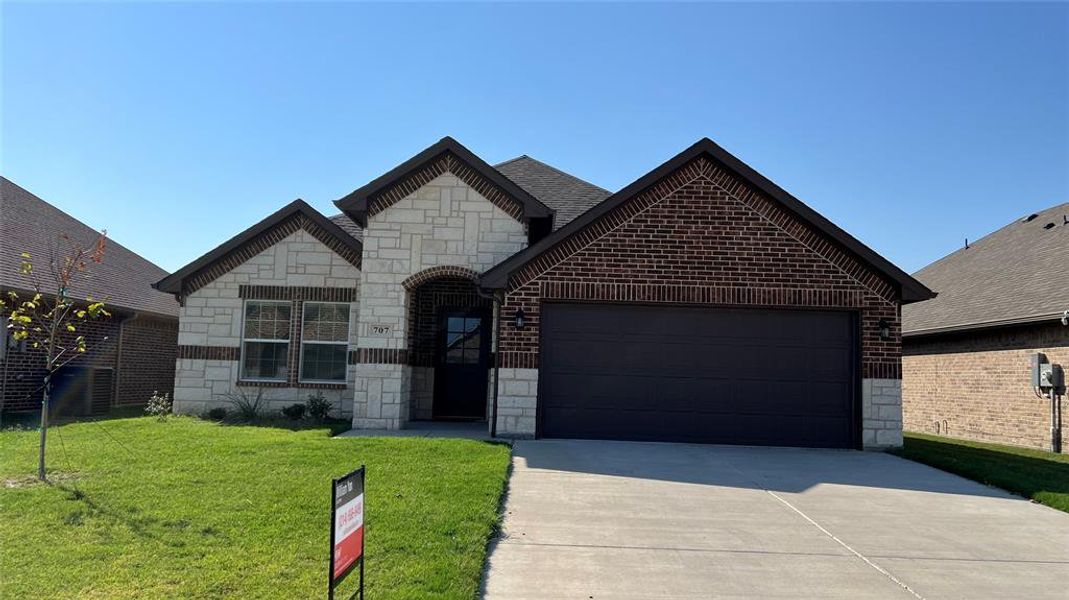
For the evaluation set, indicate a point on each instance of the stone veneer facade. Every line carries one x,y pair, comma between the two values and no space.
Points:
443,224
211,319
699,236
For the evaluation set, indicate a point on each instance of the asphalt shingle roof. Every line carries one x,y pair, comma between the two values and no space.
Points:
29,224
566,194
348,226
1017,273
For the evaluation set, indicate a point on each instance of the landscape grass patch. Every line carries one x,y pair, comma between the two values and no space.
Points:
193,509
1041,476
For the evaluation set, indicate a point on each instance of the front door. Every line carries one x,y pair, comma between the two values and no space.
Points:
462,363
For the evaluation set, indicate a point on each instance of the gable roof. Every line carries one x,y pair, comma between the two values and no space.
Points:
1014,275
29,224
911,289
297,209
567,195
357,203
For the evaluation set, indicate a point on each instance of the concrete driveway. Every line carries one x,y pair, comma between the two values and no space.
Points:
600,520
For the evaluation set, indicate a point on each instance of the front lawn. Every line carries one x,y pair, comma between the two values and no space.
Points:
1041,476
191,509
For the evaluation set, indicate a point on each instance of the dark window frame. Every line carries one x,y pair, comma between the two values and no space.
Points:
344,344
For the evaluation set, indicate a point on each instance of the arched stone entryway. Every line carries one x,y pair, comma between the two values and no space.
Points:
449,334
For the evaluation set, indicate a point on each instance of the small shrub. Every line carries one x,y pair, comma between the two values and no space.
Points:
318,407
216,414
247,409
159,406
294,411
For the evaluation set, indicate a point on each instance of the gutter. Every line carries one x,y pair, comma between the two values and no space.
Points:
984,325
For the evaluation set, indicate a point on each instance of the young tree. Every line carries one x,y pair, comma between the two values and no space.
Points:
50,321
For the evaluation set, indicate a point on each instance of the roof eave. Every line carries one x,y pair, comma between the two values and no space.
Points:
172,284
966,327
355,204
910,289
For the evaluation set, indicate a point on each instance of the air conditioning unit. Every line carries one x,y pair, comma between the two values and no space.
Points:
81,391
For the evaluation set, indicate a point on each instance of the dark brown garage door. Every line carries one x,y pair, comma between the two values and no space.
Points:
724,376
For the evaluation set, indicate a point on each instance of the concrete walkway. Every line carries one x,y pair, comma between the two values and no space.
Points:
430,429
599,520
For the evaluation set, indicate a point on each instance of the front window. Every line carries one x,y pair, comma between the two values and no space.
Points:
265,341
324,341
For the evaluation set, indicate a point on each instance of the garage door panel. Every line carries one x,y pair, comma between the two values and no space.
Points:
700,375
830,397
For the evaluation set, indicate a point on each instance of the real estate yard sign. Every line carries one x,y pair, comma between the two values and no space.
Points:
347,529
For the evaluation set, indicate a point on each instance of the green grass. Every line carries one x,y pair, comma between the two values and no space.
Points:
1041,476
191,509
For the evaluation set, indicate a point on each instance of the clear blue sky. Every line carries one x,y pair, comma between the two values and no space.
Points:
175,126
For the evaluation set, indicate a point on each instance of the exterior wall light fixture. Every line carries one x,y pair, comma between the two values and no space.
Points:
885,330
521,319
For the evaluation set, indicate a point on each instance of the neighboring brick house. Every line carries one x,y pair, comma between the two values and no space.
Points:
966,364
130,356
700,303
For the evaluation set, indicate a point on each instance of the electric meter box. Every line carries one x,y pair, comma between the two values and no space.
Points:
1057,379
1042,371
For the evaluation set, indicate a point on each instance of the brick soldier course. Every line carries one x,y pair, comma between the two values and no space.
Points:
446,232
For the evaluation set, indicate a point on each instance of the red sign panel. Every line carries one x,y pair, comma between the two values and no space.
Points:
348,535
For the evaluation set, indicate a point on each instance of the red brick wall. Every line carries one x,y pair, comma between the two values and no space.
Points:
977,385
148,346
427,302
146,364
22,372
701,236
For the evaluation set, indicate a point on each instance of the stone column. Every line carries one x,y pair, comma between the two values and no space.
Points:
881,412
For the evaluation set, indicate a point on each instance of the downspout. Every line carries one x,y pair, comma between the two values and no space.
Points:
118,362
498,298
3,373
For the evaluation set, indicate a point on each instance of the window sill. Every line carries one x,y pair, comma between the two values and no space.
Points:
323,385
307,385
261,383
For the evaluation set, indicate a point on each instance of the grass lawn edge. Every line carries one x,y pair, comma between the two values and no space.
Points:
1036,475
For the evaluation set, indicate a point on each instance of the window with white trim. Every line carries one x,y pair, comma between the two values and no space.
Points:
265,340
324,342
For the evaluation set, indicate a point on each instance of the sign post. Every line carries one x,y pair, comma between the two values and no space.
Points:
347,530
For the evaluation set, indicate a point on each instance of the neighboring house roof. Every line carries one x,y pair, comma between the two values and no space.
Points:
911,289
29,224
260,234
359,203
1015,275
566,194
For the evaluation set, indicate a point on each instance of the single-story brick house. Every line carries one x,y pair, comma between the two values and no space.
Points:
967,353
701,303
130,355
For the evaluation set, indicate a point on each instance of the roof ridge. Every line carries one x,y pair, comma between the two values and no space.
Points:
511,160
985,238
551,167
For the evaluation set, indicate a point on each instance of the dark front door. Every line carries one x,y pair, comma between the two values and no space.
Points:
462,363
709,375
